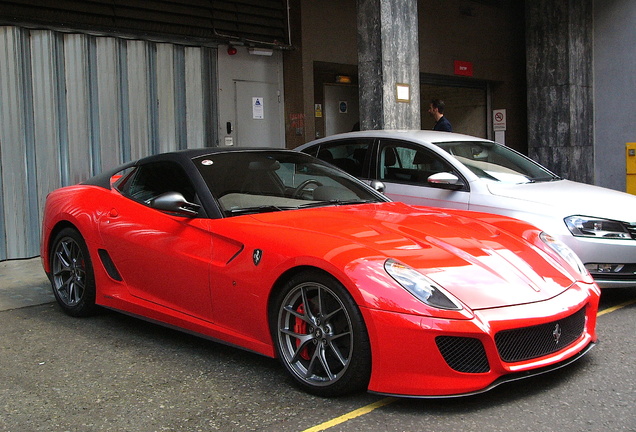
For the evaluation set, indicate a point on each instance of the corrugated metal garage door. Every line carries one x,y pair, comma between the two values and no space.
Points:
72,105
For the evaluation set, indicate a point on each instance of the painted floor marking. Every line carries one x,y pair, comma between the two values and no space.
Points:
615,308
353,414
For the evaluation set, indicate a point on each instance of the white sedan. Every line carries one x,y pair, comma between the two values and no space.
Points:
444,169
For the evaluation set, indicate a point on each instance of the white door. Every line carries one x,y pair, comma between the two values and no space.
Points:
258,114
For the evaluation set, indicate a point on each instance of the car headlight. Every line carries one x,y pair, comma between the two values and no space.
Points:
584,226
565,253
420,286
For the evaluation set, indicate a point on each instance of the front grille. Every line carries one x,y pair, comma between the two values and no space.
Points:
536,341
631,228
463,354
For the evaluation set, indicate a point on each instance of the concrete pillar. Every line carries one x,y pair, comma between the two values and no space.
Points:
388,62
560,96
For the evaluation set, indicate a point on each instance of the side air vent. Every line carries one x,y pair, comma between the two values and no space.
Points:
109,265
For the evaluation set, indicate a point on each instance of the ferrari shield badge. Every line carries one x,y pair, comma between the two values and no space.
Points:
256,256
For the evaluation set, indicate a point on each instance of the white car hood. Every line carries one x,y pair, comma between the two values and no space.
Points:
571,198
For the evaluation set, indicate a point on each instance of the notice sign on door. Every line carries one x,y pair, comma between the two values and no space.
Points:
257,108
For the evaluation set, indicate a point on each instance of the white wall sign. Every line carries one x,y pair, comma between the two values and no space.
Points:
499,120
257,108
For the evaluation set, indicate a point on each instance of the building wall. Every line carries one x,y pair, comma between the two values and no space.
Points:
329,34
614,89
73,105
560,82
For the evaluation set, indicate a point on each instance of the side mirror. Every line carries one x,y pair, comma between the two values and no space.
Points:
174,202
378,186
445,180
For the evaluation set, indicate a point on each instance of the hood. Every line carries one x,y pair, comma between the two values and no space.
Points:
570,198
479,264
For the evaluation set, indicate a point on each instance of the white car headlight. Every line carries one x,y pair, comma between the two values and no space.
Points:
420,286
584,226
565,253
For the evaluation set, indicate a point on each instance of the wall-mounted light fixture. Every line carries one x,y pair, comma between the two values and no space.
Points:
261,51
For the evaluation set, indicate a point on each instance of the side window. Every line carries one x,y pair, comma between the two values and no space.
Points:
151,180
406,163
349,155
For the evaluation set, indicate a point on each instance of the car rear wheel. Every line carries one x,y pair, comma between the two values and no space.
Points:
72,276
320,336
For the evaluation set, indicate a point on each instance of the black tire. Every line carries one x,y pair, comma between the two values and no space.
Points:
72,277
320,336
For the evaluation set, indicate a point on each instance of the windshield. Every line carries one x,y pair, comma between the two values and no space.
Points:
246,182
497,163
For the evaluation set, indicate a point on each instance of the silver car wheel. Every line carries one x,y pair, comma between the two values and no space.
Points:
315,334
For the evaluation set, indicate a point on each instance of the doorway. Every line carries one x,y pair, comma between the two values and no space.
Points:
467,104
342,113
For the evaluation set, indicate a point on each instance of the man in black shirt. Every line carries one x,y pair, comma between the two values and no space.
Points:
436,110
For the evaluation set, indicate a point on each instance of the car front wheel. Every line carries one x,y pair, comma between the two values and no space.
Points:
72,276
320,336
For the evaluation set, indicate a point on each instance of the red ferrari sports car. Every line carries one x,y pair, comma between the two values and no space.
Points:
279,253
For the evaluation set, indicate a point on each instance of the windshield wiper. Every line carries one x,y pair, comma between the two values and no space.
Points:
273,208
335,202
258,209
544,179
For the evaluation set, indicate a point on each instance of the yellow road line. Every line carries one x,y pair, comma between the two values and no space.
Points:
353,414
613,308
389,400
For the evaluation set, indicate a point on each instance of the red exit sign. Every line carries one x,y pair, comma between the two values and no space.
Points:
463,68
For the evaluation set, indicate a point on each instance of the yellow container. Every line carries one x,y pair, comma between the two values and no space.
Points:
630,165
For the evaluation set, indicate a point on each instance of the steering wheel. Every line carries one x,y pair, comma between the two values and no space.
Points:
303,185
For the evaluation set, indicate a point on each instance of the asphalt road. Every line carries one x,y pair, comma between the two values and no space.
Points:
116,373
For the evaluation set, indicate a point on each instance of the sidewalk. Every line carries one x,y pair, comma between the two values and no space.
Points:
23,283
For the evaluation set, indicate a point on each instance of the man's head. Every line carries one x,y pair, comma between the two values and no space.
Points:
436,109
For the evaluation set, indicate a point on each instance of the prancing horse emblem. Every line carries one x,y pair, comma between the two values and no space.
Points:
556,334
256,256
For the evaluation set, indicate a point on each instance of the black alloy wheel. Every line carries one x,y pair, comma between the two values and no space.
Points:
72,277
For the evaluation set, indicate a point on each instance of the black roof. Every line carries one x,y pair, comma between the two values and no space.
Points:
183,157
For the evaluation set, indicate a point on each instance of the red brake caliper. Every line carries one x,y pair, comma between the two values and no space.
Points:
301,328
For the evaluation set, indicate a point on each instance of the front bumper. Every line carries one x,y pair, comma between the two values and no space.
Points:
612,263
407,360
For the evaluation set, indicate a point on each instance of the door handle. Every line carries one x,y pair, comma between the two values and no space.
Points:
228,127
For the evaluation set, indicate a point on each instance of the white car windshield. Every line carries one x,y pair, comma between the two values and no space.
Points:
497,163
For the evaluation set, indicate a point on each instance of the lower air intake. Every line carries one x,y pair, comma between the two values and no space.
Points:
463,354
